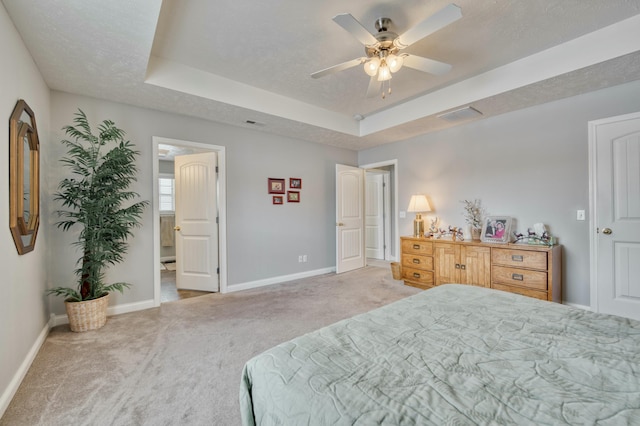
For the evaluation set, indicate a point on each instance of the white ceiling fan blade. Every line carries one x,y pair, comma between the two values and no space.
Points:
374,87
433,23
426,65
355,28
336,68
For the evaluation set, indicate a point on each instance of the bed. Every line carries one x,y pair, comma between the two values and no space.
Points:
452,355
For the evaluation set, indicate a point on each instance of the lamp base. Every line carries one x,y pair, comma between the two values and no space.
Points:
418,226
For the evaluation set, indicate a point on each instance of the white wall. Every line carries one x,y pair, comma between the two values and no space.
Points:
530,164
23,305
264,240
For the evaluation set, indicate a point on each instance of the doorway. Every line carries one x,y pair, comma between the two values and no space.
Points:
164,151
377,226
389,206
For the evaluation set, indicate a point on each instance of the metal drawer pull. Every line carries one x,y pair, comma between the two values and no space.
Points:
416,275
416,261
517,277
463,267
457,266
517,258
416,246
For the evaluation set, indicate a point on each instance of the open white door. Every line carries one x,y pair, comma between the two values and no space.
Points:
349,218
374,215
615,151
196,222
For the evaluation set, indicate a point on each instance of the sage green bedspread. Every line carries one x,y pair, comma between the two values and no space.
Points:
452,355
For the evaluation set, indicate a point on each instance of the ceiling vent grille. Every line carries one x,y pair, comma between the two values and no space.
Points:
461,114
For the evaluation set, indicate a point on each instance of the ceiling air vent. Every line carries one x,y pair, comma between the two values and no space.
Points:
254,123
461,114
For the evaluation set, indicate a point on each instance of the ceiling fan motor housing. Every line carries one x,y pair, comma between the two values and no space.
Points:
384,46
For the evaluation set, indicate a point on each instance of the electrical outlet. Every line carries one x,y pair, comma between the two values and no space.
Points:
304,257
580,215
300,259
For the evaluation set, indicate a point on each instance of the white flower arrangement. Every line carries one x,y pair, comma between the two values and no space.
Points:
473,212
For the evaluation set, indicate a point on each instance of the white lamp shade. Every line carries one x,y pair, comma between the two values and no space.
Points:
371,66
384,73
395,62
419,204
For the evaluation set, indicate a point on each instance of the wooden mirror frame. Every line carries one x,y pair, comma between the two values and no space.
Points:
23,133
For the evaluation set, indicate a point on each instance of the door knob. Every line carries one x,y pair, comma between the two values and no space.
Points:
176,228
607,231
339,224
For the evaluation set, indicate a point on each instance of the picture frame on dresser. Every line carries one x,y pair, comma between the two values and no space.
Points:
496,229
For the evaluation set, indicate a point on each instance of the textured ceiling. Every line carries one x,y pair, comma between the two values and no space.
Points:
233,60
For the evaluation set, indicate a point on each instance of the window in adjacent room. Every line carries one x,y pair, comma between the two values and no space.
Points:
167,194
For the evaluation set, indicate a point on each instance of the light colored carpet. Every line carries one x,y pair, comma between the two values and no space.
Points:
181,363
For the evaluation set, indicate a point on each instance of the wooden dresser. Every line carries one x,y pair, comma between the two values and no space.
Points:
530,270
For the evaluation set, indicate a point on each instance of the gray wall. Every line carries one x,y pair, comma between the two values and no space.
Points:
23,306
263,240
530,164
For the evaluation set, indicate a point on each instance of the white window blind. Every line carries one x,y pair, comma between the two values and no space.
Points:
167,194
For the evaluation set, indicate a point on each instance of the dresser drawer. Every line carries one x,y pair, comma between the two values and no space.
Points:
542,295
417,261
417,275
519,258
535,280
417,247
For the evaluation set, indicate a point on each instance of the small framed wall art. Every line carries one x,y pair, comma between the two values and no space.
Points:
276,186
293,196
278,199
295,183
496,229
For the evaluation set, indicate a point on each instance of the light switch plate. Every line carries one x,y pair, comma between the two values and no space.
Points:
580,215
403,215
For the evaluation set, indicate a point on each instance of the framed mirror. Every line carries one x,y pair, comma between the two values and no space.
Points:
24,177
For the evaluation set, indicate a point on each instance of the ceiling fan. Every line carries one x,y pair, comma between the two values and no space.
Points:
383,49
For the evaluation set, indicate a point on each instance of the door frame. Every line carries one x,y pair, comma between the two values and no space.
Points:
394,210
222,210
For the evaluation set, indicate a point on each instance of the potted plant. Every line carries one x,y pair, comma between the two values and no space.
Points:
94,198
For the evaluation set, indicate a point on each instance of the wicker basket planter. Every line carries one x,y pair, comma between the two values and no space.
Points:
396,270
88,314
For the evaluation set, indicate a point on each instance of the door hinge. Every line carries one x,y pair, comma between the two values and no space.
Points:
218,270
216,169
217,220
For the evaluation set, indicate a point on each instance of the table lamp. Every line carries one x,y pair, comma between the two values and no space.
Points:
418,205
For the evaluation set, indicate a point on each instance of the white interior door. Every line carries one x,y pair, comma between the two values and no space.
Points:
349,218
615,151
374,215
196,222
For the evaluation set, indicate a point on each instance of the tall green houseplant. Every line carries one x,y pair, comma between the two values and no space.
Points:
103,168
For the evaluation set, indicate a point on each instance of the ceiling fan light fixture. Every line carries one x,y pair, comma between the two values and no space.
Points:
384,73
371,66
395,62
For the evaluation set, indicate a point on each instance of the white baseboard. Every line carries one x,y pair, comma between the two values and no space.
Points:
111,310
11,390
277,280
575,305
